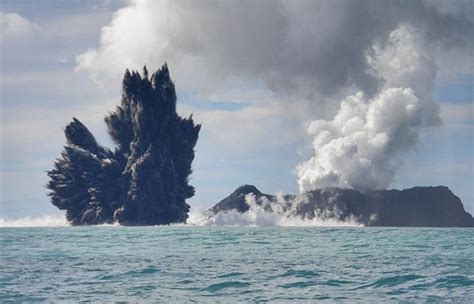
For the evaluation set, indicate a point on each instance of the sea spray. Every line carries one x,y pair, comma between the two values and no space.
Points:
45,220
264,212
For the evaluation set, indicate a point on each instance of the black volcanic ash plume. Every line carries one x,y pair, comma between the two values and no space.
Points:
145,180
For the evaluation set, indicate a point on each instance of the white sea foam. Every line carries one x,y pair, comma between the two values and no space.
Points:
279,212
256,216
44,220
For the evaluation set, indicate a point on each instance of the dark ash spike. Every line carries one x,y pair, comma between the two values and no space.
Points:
77,134
145,181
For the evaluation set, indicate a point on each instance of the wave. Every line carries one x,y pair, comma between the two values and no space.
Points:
44,220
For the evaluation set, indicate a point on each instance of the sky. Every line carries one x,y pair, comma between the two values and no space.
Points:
267,79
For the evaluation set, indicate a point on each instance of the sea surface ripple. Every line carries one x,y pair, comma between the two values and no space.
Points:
236,264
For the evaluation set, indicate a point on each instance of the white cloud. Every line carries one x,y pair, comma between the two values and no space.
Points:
15,26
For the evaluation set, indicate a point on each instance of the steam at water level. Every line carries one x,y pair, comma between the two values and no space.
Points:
39,221
264,212
363,145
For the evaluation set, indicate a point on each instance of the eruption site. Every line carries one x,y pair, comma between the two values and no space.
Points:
144,181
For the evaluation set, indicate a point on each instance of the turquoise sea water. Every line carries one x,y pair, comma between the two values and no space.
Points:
236,264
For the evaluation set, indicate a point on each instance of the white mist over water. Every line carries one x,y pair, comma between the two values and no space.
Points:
39,221
363,145
45,220
281,212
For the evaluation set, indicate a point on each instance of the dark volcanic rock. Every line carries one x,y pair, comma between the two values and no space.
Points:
145,180
415,207
237,199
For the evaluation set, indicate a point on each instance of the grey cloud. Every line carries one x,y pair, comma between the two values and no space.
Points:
298,48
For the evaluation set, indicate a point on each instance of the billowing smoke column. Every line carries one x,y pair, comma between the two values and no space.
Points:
308,53
362,146
145,180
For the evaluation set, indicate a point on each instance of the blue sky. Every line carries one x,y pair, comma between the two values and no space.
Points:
252,132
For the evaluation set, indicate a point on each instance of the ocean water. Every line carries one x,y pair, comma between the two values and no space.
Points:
236,264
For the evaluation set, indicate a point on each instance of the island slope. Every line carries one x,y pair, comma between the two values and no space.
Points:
414,207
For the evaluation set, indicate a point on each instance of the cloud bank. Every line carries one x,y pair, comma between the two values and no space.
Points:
303,49
384,56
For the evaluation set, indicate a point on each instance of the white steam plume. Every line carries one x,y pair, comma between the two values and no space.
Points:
363,145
